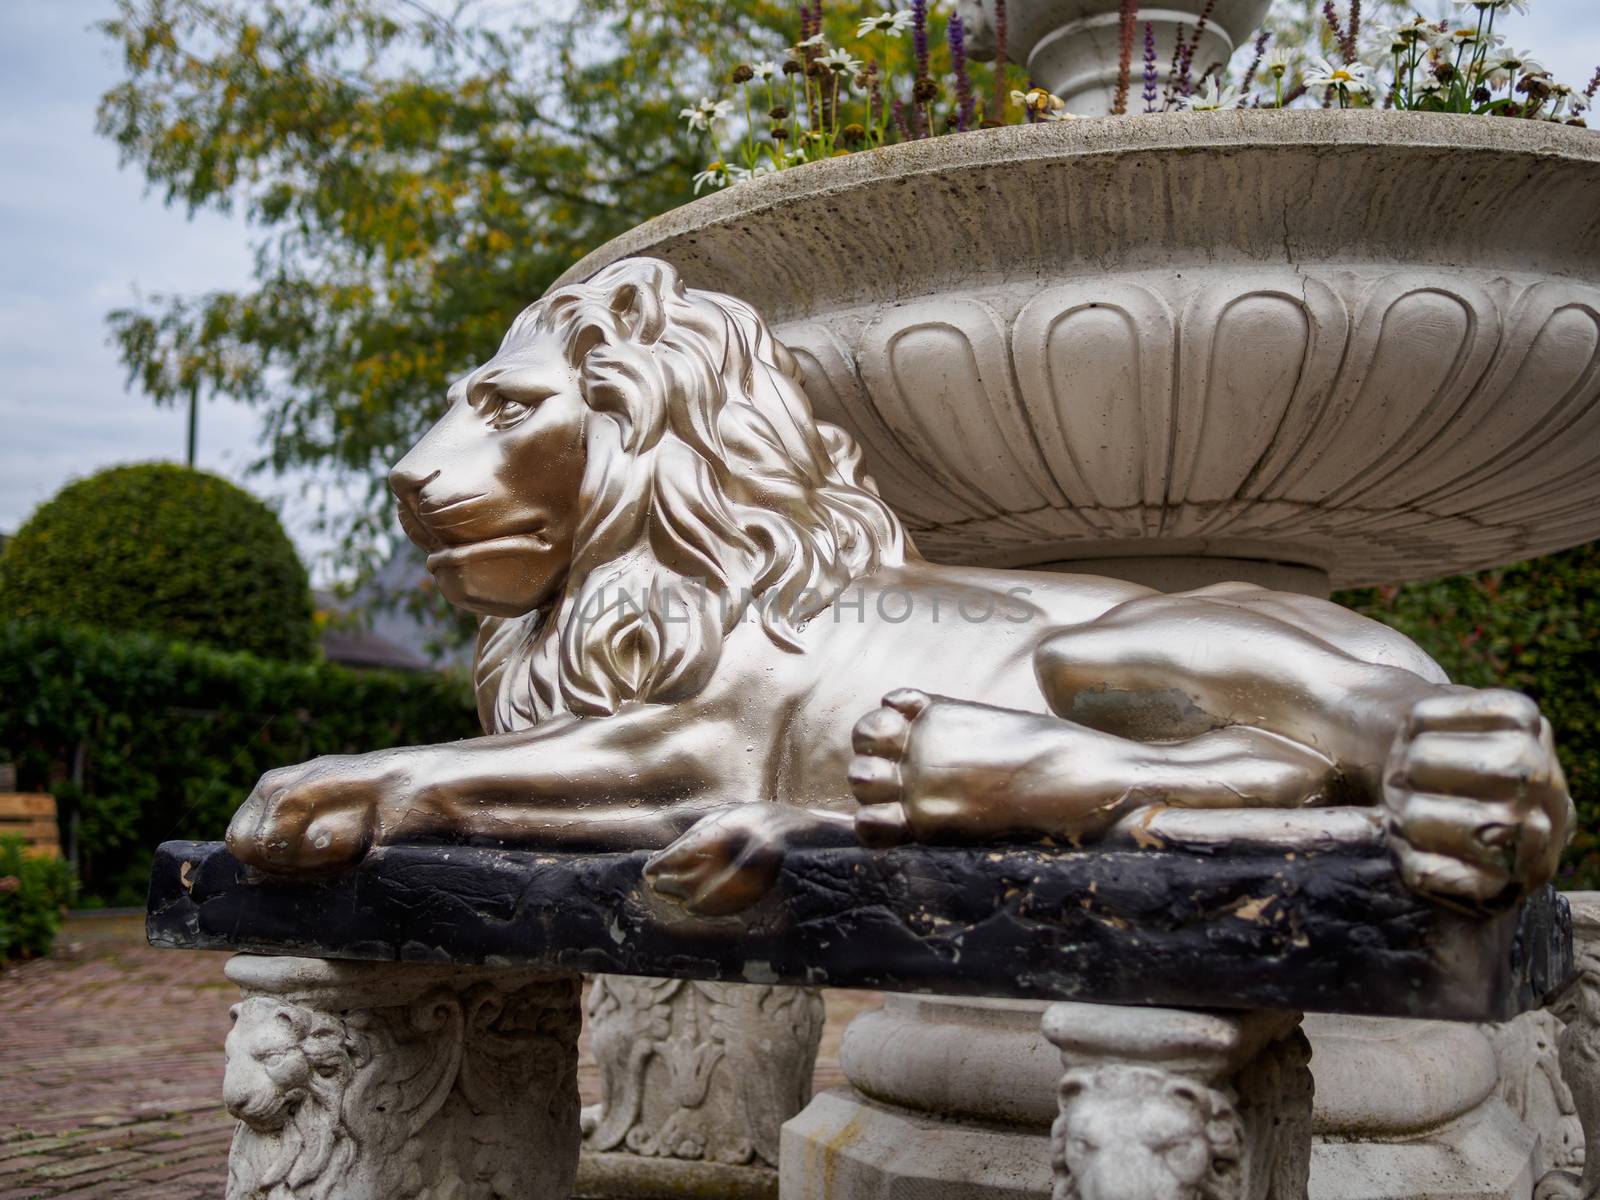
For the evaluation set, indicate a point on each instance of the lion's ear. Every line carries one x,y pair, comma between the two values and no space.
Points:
636,300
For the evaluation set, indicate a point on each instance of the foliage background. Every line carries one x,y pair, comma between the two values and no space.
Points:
1534,626
162,549
33,891
174,735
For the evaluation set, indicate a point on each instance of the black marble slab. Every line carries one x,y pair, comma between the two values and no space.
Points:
1330,930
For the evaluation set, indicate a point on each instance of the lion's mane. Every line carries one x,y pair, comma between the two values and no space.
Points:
707,476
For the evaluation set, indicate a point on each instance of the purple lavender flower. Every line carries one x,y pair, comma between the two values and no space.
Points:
999,113
900,123
965,103
1151,77
874,98
919,35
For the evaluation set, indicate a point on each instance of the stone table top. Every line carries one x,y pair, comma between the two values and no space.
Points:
1324,930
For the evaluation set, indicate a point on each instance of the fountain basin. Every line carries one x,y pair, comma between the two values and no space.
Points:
1360,345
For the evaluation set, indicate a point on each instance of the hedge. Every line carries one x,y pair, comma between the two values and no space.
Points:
173,735
166,550
33,892
1535,627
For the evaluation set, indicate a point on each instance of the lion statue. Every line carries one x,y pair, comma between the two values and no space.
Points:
703,631
1138,1133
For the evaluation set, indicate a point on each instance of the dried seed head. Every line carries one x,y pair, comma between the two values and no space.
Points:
778,112
743,73
780,133
791,67
852,134
1535,87
925,91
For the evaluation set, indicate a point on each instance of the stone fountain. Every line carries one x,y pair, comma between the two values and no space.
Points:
1305,349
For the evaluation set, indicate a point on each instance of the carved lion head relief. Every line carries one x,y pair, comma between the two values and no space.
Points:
1137,1133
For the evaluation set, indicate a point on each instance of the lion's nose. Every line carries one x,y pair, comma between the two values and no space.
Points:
407,480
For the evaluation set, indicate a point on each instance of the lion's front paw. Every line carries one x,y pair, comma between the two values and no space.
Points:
1478,806
315,817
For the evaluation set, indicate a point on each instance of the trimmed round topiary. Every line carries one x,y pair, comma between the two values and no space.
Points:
162,549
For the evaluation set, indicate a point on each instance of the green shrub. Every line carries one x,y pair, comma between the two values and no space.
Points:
1535,627
162,549
174,736
33,891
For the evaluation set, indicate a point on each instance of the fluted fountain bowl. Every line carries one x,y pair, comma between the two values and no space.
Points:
1361,344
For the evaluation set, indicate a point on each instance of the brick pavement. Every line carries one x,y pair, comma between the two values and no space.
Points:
111,1068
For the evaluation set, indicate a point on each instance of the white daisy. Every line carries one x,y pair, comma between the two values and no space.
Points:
1280,60
707,113
715,175
1520,6
840,62
1212,99
1470,37
1350,78
815,42
892,23
1418,29
1519,61
766,71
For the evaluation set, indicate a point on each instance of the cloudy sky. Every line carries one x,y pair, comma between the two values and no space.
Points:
79,237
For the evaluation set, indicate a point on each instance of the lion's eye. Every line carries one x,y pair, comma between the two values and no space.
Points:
508,412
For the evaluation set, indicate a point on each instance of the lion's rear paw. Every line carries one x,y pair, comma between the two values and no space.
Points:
881,741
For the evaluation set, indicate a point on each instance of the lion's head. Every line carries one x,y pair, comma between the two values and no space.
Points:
288,1068
633,442
1137,1133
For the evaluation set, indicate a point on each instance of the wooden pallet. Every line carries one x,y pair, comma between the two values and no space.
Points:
32,817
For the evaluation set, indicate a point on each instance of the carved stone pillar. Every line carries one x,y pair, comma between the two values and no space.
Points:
1579,1048
1170,1104
394,1081
697,1080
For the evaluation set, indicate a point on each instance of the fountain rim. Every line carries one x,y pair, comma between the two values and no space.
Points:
1091,138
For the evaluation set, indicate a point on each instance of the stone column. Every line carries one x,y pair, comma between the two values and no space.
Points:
697,1080
1073,47
394,1081
1578,1046
1171,1104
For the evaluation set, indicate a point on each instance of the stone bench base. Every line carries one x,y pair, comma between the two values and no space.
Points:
408,1028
